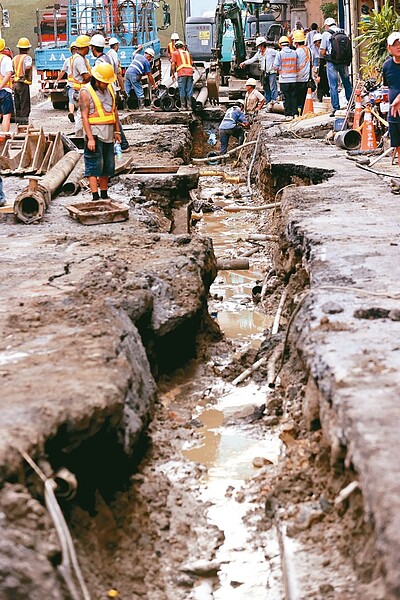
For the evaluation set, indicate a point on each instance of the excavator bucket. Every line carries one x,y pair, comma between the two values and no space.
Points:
213,83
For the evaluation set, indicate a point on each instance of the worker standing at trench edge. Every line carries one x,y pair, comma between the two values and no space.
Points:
391,78
182,66
22,64
6,97
80,75
286,65
101,126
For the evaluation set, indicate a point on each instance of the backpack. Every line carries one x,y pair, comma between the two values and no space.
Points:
341,51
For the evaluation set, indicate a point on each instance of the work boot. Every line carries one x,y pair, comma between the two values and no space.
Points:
142,105
71,117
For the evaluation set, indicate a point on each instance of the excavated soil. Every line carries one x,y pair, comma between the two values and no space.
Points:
107,350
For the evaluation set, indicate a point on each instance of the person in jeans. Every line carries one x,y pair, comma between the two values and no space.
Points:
232,124
266,58
286,65
333,71
182,66
140,66
391,78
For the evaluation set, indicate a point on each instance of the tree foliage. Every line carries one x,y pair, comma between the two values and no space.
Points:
374,32
329,9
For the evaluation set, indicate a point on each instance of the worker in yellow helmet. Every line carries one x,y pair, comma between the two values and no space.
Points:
101,126
80,75
22,65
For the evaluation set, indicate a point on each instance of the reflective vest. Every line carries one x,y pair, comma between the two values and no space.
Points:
228,115
184,58
71,62
99,116
170,48
19,71
77,85
8,84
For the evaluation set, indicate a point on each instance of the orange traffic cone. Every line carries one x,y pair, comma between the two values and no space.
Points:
357,111
368,138
309,104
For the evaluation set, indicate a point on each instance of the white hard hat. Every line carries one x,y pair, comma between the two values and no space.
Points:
112,41
149,51
174,36
317,37
98,40
251,81
260,40
329,21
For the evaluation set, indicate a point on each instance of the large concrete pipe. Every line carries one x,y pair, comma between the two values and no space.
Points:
72,184
168,103
202,98
30,204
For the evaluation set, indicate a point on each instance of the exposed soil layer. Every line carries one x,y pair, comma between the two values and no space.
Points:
96,324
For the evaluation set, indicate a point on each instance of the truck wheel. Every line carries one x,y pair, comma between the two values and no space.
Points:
59,105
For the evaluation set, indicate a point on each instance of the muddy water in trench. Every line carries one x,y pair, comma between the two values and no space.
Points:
226,446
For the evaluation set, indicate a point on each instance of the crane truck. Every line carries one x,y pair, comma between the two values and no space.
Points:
132,22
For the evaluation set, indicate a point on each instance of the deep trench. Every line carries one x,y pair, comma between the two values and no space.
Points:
99,463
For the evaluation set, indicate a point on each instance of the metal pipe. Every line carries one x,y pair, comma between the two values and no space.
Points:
31,203
202,98
167,103
72,184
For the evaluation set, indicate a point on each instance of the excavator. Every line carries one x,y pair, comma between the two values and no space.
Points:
247,20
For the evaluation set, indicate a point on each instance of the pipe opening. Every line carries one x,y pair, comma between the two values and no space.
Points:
30,206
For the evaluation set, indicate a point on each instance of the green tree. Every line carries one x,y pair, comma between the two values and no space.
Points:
374,32
329,9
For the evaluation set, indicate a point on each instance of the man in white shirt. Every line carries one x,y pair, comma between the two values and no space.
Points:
6,99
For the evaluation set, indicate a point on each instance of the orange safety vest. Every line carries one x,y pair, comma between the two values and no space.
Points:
307,57
184,60
19,71
8,84
170,48
77,85
288,65
99,116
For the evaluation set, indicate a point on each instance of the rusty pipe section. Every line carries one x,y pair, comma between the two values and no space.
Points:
31,203
228,178
72,184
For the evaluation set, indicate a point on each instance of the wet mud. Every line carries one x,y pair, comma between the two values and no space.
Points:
120,350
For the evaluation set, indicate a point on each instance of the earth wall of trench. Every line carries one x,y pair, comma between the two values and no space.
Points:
343,233
89,318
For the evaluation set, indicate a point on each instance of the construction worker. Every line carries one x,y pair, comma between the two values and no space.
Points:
112,54
333,70
182,66
6,99
391,71
266,58
140,65
253,100
67,71
286,65
80,75
232,124
171,45
22,64
303,68
97,45
100,123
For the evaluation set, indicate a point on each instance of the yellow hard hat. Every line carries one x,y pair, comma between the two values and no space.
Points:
104,72
2,44
284,40
82,41
24,43
299,36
